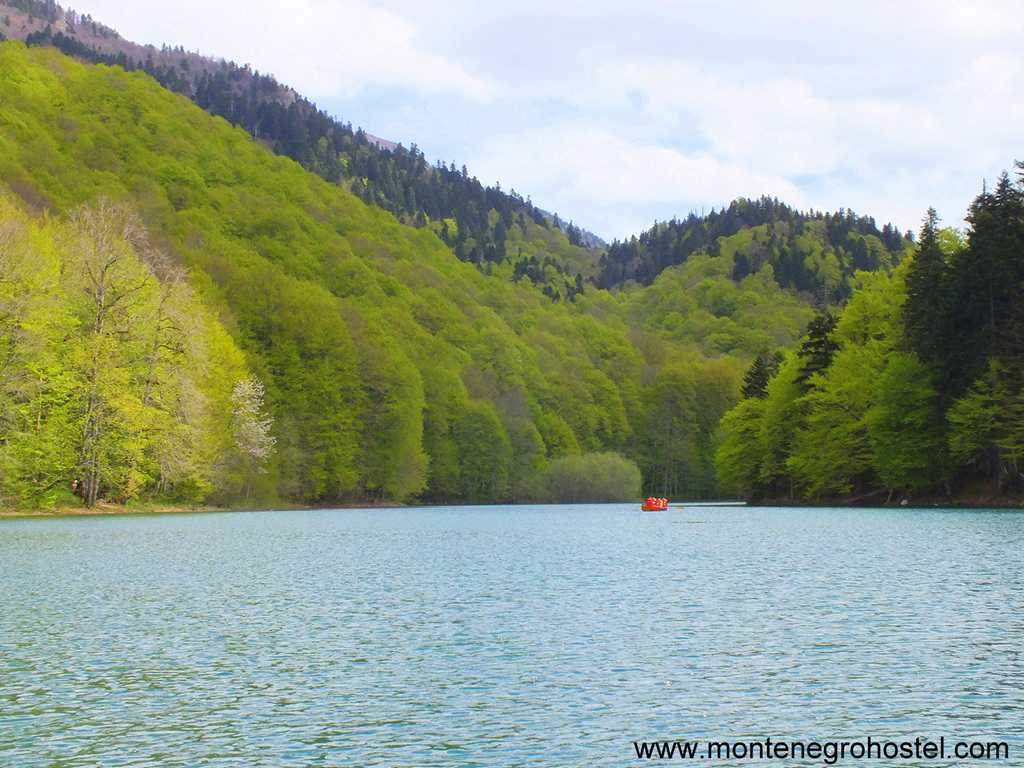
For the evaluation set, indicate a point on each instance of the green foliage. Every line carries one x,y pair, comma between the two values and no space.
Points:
815,253
861,412
739,453
485,454
841,362
755,381
393,461
116,379
699,304
974,421
830,451
529,459
666,439
678,417
355,323
783,415
590,477
391,369
818,349
559,439
986,425
905,426
965,296
927,294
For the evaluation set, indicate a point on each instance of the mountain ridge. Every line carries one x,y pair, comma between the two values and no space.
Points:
388,173
397,178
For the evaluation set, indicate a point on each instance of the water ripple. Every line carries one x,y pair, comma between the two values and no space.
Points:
489,636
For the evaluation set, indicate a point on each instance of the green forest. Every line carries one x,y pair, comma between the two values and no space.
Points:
189,316
815,253
370,363
916,387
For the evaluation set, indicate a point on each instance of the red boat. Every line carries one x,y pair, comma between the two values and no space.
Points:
654,504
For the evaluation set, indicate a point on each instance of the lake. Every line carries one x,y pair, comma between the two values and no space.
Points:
507,636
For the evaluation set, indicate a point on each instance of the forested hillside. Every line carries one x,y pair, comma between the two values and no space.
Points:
483,224
815,253
916,388
391,368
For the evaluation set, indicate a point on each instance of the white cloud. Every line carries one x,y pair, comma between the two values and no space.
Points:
777,126
603,167
617,116
981,20
581,167
324,49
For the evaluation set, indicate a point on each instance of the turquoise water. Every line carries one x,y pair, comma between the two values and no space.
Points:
543,636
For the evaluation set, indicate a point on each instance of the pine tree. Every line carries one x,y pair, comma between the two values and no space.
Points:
926,311
986,280
755,382
818,347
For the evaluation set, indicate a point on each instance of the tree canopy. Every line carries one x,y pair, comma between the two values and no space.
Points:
918,387
365,360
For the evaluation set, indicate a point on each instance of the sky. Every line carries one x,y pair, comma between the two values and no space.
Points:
616,115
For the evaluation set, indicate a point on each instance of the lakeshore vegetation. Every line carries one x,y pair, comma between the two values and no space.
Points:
370,362
916,387
186,316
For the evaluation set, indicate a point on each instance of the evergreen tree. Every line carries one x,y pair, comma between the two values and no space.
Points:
981,423
926,310
755,382
818,347
986,282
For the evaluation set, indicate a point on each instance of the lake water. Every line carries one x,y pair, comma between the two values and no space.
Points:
504,636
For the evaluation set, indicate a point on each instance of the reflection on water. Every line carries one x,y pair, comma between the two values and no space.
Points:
501,636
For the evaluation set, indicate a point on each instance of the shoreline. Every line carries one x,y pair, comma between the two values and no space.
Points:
109,510
105,509
930,502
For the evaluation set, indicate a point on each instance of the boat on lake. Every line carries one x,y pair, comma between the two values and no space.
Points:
654,504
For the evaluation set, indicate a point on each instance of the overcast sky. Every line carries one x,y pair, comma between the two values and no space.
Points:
617,114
